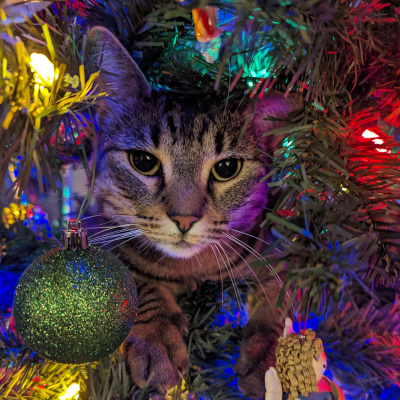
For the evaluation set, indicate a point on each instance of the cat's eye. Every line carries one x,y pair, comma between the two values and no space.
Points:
145,163
226,169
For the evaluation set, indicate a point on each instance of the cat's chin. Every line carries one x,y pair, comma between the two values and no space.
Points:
179,250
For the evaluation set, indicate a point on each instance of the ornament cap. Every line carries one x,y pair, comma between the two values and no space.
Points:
74,237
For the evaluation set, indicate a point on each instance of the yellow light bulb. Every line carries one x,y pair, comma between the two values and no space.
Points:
71,393
43,66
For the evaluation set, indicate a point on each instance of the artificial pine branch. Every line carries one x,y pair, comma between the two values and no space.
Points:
336,215
213,342
372,332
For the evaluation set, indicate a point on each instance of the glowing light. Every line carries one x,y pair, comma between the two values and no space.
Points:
288,143
205,23
378,141
29,215
66,209
43,67
13,213
71,393
367,134
13,172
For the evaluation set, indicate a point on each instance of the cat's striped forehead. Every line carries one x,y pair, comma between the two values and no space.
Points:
180,125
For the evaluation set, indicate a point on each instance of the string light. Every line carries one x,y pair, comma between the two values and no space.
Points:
71,393
30,216
368,134
15,212
43,67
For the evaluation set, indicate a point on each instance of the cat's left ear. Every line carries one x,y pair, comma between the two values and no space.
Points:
120,76
274,105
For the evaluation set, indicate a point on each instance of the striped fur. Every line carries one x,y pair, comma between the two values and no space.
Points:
188,135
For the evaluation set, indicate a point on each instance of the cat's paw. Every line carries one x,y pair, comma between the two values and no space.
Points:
257,354
158,347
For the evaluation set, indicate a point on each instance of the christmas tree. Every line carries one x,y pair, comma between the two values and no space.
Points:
334,174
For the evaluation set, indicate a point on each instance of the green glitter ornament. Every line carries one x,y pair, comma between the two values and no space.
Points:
75,304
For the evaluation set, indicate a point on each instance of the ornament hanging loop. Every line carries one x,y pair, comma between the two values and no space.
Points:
74,237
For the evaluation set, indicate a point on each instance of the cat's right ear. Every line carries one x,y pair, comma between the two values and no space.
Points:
120,76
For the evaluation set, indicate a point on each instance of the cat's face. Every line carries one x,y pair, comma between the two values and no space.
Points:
181,172
177,167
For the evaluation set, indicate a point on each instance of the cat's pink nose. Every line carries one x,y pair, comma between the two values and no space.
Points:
184,223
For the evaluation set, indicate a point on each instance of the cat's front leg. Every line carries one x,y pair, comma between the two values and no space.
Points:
155,343
260,338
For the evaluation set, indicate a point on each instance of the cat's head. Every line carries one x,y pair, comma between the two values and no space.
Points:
177,166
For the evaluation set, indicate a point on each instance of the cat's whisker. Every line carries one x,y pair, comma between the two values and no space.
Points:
100,226
112,228
238,270
254,274
109,239
227,269
145,245
231,276
252,236
255,254
112,235
103,225
198,261
107,215
161,258
117,237
102,221
132,237
258,256
220,273
248,248
108,233
109,227
93,216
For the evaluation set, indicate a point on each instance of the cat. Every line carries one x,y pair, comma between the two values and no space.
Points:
175,172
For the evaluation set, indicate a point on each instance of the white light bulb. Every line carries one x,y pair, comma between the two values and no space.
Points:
71,393
43,67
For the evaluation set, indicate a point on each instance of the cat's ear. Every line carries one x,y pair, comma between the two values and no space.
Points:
120,76
274,105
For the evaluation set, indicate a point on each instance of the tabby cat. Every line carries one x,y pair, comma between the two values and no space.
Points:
174,172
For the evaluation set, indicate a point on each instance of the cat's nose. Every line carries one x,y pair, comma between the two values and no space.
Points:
184,223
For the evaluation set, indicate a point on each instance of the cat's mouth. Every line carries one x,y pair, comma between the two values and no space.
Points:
181,249
184,244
